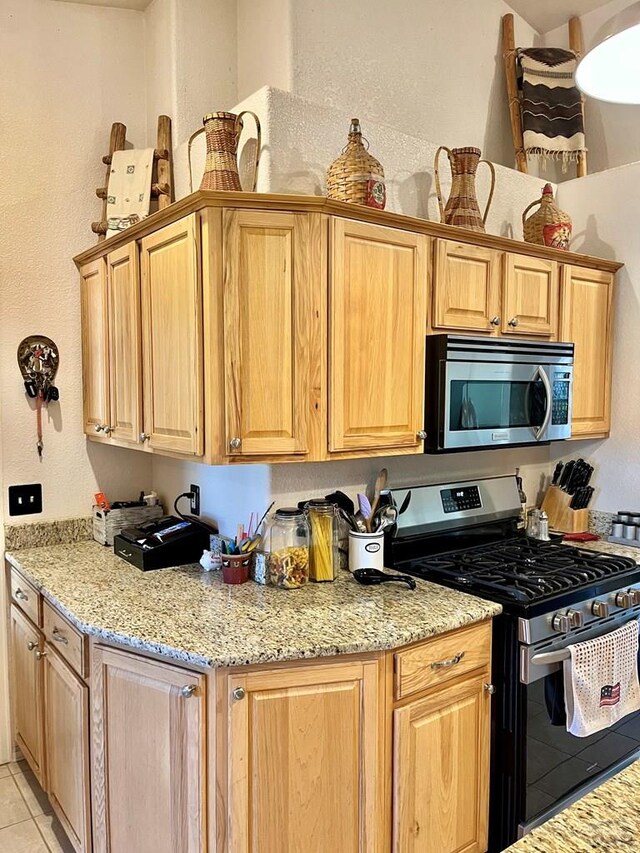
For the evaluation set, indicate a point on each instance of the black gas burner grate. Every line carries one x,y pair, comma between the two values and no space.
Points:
522,569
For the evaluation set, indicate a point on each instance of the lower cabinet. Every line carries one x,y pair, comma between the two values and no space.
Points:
66,700
441,770
304,759
149,755
27,691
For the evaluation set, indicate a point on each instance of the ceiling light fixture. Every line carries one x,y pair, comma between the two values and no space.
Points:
610,71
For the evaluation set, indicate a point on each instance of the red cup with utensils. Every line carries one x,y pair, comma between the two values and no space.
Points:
236,567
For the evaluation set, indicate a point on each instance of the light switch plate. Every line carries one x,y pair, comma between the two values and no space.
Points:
25,500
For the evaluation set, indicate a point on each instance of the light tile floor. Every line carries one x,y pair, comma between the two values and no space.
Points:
27,823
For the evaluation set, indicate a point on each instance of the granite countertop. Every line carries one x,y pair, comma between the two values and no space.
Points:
606,820
191,615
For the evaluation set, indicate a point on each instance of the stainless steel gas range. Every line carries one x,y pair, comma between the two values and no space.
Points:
465,535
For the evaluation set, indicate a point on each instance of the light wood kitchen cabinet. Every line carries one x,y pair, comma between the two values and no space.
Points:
586,319
27,693
530,296
66,702
441,770
304,753
466,288
377,322
149,755
95,346
125,357
172,338
273,321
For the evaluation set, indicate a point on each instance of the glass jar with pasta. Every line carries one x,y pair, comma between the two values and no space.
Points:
289,548
324,556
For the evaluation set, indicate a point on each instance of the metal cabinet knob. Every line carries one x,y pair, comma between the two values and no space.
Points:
20,595
106,429
99,427
187,691
40,655
238,693
235,443
421,435
495,321
144,436
513,322
489,688
31,645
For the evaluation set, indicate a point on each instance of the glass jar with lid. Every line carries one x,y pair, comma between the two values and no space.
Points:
324,556
289,551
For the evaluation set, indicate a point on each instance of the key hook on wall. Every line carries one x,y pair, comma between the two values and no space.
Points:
38,359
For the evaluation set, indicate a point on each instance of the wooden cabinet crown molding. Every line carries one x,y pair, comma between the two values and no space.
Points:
319,204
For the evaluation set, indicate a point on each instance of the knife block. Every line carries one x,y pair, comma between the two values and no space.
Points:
561,516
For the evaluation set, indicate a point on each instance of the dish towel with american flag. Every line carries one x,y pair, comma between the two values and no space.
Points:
601,681
552,116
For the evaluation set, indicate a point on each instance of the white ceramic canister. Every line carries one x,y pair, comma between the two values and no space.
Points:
366,550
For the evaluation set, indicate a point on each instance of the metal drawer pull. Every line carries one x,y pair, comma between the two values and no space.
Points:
40,655
20,595
187,691
238,693
490,688
444,664
59,638
31,645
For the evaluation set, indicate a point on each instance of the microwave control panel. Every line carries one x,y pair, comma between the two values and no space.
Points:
457,500
560,406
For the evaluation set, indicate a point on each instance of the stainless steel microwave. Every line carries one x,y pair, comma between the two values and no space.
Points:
496,392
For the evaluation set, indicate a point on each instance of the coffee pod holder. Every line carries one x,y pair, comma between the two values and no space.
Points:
366,550
562,518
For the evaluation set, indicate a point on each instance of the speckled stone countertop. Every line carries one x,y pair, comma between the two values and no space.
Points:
609,548
193,616
606,820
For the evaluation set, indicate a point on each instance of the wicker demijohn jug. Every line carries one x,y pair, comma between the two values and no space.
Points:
548,226
462,207
356,176
222,132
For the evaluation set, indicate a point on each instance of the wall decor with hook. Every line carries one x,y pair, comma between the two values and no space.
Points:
39,359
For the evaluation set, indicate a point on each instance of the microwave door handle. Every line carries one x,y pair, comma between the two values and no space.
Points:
540,431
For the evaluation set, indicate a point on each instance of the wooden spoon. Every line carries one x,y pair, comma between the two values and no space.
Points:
381,483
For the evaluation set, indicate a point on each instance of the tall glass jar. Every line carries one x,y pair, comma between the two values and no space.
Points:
324,558
289,552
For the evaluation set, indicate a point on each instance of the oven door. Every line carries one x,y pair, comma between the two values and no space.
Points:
495,404
558,767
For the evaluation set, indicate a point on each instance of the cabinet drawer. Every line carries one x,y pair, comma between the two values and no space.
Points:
441,659
66,639
26,596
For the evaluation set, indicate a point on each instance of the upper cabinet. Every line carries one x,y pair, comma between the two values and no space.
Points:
466,292
273,320
95,346
585,319
530,296
377,325
172,338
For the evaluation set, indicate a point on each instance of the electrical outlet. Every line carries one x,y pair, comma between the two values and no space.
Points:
25,500
195,499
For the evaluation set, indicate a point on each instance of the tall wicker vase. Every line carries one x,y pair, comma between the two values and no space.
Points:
548,226
462,207
356,176
222,131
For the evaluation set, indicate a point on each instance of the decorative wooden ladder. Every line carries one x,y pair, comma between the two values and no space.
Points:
509,56
161,180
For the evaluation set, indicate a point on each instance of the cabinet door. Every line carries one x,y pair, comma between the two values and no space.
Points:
95,347
124,343
272,277
149,755
304,749
172,338
67,739
378,301
26,691
466,288
530,296
441,771
586,319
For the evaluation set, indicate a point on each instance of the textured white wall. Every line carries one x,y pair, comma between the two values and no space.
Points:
264,45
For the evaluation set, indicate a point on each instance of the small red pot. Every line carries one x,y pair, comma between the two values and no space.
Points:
235,567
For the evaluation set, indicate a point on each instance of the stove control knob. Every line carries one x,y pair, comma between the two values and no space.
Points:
575,618
600,609
624,600
561,622
635,596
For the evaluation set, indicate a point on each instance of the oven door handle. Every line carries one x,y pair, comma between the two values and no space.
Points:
551,657
540,431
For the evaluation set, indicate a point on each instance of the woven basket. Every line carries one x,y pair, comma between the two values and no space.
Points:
356,176
548,226
107,524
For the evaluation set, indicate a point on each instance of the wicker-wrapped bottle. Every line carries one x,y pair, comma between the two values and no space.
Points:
356,176
548,226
